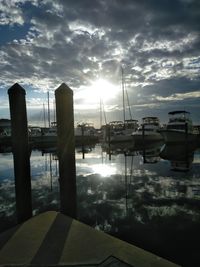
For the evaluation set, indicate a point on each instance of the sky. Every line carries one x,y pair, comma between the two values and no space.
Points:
87,43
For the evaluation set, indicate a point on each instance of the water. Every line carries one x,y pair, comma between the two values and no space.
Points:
150,197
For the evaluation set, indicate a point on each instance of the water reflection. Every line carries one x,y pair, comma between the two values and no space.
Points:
181,156
134,194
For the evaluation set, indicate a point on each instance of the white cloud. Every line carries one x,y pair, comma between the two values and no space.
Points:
11,13
181,96
170,45
73,43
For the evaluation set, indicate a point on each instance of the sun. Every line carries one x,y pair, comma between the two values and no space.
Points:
104,89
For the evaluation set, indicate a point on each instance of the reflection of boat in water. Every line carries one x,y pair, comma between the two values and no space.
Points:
151,152
148,131
180,155
179,128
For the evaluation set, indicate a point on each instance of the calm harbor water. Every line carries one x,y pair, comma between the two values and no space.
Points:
149,197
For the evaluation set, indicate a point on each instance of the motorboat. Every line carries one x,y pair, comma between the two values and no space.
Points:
179,128
148,131
85,133
119,131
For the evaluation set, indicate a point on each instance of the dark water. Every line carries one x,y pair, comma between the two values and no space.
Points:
150,198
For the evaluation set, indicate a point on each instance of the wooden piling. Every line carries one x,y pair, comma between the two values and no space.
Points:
66,149
21,152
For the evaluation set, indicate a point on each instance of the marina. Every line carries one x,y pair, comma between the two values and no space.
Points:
100,133
137,187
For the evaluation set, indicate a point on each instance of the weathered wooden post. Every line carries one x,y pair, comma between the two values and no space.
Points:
21,153
66,149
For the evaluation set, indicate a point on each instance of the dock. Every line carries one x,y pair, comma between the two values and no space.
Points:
54,239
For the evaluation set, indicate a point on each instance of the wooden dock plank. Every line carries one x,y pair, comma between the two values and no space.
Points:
52,238
24,244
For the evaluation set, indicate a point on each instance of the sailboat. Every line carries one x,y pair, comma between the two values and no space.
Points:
121,131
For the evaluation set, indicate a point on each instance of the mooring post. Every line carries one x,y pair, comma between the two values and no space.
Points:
66,149
21,153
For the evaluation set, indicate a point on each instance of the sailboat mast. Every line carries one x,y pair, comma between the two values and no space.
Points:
100,113
48,110
44,115
54,112
123,97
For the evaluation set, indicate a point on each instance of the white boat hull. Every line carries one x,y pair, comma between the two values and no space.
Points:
154,137
171,136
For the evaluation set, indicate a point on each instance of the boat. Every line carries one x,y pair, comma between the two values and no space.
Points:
44,136
148,131
85,133
119,131
5,132
179,128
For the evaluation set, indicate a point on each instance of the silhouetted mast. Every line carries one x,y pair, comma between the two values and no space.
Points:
100,113
124,116
44,115
49,121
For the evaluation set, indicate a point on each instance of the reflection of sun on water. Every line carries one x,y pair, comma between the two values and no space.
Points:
104,170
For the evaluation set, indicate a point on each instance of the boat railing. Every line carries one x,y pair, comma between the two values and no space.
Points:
179,120
150,120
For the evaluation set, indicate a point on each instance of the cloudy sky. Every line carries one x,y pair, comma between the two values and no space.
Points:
84,43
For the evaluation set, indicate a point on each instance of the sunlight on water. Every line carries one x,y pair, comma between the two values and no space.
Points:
104,170
135,196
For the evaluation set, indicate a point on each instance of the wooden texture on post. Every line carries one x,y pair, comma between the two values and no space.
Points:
21,152
66,149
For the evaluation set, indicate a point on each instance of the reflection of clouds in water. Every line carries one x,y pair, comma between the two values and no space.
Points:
7,198
146,183
173,210
141,173
44,179
6,166
104,170
88,156
83,169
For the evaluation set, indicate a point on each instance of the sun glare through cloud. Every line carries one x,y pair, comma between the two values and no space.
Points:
98,90
103,89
